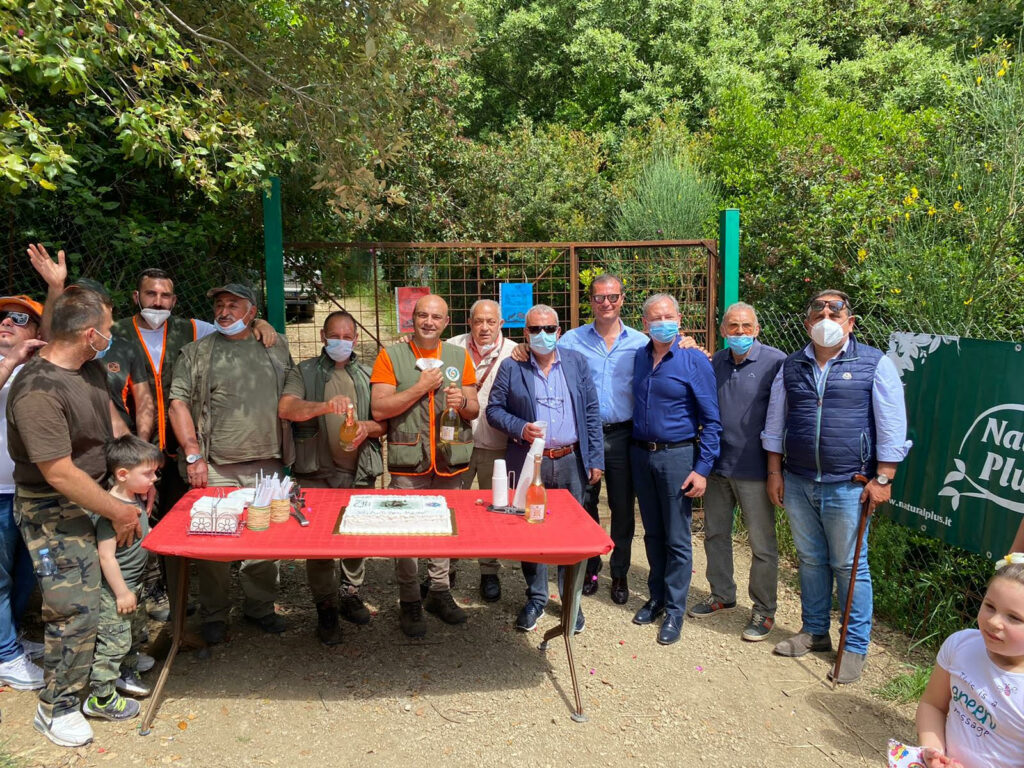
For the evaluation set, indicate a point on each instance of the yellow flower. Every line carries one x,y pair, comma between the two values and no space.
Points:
914,193
931,210
978,80
968,302
897,290
861,254
958,206
988,167
1001,72
907,215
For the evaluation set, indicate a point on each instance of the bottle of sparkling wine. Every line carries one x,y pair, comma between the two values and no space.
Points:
349,430
536,495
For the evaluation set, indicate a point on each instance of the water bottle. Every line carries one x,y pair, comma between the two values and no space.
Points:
46,565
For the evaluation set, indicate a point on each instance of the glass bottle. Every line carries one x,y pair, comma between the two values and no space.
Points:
536,495
450,423
349,430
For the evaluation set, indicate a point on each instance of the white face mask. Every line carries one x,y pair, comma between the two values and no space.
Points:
827,333
155,317
339,350
428,363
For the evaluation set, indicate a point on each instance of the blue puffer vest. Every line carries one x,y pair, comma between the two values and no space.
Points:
832,438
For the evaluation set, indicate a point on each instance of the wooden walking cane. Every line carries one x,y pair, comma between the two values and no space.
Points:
865,513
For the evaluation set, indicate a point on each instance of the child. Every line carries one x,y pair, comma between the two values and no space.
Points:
972,712
132,464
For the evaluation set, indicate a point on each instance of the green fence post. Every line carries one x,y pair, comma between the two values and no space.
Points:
273,251
728,258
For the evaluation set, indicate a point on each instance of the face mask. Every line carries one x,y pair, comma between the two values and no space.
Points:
664,330
235,328
339,350
485,348
155,317
100,353
827,333
428,363
543,343
740,344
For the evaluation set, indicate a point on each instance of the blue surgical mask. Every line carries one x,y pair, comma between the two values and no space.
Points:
100,353
339,350
235,328
664,330
740,344
543,343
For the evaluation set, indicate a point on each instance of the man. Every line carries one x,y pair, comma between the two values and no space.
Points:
487,348
406,379
59,418
224,414
19,331
610,346
744,373
553,386
316,396
674,404
836,411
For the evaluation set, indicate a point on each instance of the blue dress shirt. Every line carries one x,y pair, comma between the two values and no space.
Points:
671,401
612,369
553,404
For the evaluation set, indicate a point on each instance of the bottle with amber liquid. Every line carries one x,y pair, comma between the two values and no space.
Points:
536,495
450,421
349,430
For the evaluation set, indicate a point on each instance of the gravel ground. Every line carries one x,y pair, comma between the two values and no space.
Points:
483,694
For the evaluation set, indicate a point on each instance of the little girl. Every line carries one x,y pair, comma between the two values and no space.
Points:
972,712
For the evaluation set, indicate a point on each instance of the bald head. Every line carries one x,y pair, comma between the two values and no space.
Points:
429,319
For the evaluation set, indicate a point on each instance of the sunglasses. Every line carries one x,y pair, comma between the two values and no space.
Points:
18,318
834,305
539,328
611,298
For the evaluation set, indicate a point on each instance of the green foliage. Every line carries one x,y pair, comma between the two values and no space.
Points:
906,687
671,199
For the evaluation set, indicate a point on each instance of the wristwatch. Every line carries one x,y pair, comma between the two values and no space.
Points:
192,458
883,480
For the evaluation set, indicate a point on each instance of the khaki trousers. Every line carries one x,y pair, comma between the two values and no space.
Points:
322,575
406,567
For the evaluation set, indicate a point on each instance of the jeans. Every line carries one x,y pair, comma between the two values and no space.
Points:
17,580
722,496
621,501
666,512
568,473
823,518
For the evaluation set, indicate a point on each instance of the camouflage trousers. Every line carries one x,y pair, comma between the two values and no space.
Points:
71,597
118,640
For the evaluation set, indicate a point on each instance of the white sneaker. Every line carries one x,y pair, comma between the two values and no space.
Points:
33,649
68,730
146,662
21,674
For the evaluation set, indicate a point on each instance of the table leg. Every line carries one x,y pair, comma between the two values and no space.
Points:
178,633
572,593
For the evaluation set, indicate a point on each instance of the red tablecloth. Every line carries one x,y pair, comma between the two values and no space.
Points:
568,535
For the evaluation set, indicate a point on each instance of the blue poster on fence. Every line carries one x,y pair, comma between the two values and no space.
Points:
516,300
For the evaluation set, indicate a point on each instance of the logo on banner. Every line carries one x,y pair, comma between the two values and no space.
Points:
990,461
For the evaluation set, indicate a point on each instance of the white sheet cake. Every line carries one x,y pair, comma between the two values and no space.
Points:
372,515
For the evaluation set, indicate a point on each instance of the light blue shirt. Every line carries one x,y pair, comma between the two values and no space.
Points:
612,369
553,404
887,405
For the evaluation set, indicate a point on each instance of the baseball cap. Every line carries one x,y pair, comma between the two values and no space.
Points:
236,289
32,306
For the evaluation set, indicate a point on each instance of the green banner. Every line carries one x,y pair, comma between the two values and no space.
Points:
963,481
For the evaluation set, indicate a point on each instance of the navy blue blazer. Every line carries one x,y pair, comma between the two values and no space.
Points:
510,407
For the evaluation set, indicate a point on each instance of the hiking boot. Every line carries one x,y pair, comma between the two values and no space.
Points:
117,707
410,618
158,606
527,619
803,643
145,662
351,608
130,683
68,730
425,584
272,623
853,667
708,606
443,605
490,587
214,632
21,674
328,631
758,628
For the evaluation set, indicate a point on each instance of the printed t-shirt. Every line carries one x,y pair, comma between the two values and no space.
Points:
133,558
384,372
985,721
53,412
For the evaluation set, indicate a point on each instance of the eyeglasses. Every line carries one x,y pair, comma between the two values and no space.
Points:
834,305
539,328
18,318
611,298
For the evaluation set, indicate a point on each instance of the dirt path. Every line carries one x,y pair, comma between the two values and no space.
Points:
483,694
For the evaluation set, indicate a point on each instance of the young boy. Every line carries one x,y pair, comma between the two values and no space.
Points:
132,464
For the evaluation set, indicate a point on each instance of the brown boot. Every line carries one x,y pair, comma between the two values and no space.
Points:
328,631
411,618
443,605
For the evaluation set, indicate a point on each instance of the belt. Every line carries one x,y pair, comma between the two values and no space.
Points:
617,426
652,447
557,453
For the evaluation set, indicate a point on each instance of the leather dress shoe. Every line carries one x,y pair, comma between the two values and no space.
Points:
620,590
651,610
670,629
